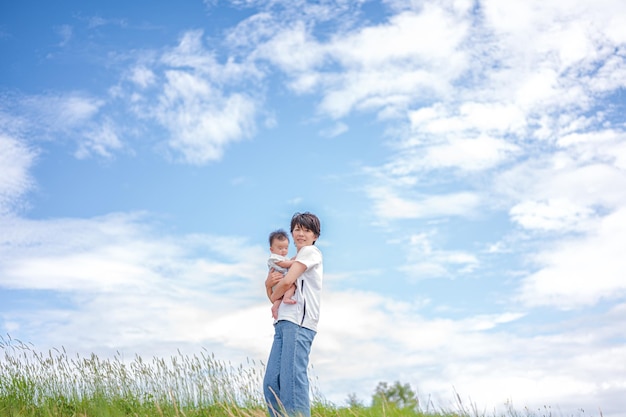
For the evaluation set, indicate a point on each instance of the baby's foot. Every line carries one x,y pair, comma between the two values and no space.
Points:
289,301
275,312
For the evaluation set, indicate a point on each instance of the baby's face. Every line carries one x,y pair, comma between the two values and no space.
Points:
280,247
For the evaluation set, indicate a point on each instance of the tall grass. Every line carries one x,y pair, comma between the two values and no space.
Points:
54,383
35,384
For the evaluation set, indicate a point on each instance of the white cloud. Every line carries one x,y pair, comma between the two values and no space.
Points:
423,261
61,112
550,51
554,214
608,146
428,38
64,116
105,267
380,68
560,177
527,87
484,358
200,120
142,76
253,31
101,140
192,54
203,104
98,21
336,130
390,205
16,160
529,17
580,271
372,90
292,49
411,58
493,117
477,154
65,33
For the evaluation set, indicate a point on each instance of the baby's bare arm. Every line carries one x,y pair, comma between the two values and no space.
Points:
285,264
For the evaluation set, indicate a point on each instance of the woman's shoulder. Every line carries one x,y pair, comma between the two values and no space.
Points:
311,250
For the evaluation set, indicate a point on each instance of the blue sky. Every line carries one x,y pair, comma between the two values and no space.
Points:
467,160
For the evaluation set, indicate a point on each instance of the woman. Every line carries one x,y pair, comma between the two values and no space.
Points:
286,383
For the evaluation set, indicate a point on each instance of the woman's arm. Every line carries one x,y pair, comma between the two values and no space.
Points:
287,281
273,277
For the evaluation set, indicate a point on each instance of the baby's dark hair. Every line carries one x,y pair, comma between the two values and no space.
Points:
279,234
308,221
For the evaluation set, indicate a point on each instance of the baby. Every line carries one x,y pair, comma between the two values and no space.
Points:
279,247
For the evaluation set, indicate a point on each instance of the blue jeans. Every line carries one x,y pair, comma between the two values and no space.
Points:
286,383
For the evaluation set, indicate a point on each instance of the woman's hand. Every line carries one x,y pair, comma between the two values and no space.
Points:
273,277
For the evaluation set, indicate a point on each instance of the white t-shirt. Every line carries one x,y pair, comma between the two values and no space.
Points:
306,311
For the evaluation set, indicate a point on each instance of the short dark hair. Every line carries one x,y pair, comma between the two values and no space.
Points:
308,221
279,234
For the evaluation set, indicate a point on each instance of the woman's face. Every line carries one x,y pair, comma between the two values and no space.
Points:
302,237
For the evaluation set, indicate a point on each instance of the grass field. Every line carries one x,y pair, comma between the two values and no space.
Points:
35,384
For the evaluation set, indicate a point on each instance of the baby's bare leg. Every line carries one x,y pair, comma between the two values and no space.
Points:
291,291
275,306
